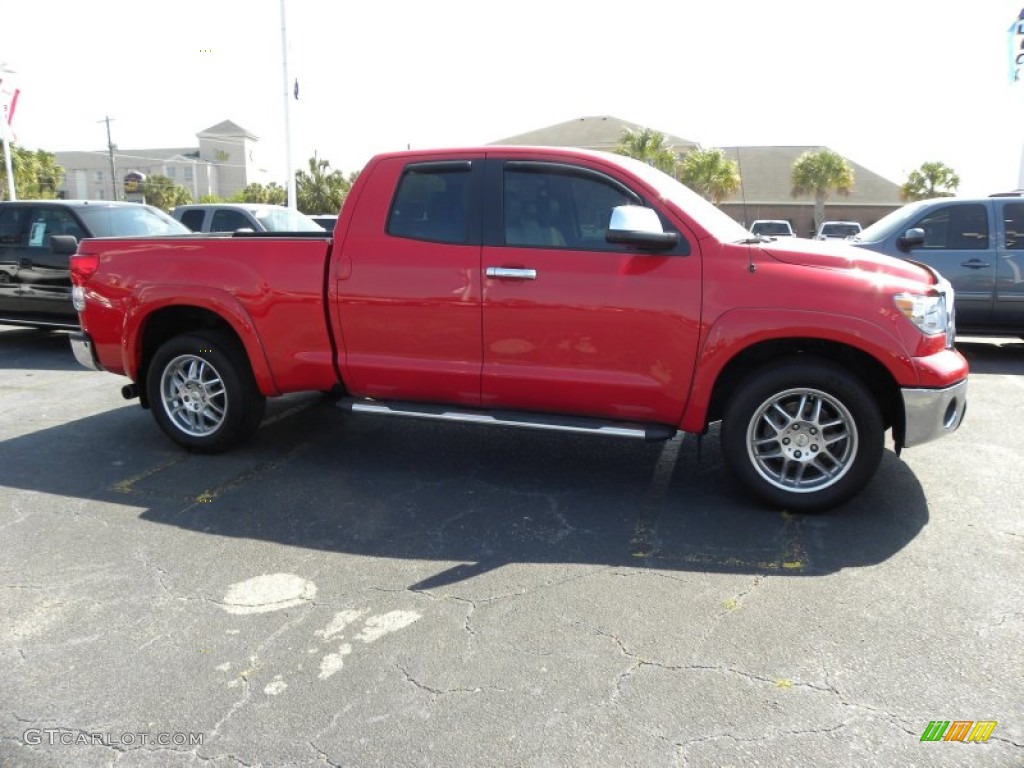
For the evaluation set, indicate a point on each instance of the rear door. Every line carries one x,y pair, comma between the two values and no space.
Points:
959,241
572,323
408,283
1008,313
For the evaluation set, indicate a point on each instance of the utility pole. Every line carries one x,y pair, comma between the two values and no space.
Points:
8,163
110,148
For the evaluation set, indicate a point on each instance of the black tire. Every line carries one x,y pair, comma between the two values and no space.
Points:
802,435
202,391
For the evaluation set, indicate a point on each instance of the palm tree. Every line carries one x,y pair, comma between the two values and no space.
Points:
648,146
932,179
320,190
819,173
709,173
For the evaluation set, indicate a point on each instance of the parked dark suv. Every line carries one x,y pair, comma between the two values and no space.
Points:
976,243
38,236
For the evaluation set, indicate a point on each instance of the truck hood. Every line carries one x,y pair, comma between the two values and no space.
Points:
842,255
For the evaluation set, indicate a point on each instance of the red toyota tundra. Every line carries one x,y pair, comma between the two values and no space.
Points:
544,288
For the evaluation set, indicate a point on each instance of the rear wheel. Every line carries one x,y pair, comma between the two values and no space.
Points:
803,435
202,391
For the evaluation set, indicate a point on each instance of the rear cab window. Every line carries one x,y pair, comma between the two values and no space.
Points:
432,203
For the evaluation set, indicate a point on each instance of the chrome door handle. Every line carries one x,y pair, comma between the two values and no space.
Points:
512,273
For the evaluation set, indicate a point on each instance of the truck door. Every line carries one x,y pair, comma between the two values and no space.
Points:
1009,305
43,277
959,241
572,323
408,284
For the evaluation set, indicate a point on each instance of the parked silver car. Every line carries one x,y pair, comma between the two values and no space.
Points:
247,217
975,243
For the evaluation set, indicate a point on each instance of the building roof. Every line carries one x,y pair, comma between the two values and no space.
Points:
602,132
766,174
227,128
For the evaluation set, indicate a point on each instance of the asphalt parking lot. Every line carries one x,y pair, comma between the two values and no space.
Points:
353,591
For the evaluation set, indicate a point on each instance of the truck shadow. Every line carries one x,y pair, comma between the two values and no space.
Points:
317,478
1005,356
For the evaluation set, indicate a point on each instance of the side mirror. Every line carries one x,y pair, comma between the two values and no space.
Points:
63,245
638,226
912,237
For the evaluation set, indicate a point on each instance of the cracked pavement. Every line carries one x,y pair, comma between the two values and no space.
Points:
351,591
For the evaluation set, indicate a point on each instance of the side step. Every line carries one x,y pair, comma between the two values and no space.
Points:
577,424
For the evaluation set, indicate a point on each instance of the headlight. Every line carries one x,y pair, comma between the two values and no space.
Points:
928,313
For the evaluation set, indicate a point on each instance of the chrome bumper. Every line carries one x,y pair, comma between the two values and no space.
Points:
933,413
81,345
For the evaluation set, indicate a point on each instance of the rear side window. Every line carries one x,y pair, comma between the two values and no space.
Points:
51,221
432,204
961,227
12,225
193,219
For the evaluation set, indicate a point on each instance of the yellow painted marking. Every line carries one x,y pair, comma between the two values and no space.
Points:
783,683
731,604
128,485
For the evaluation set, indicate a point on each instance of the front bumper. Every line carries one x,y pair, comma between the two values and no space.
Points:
84,351
932,413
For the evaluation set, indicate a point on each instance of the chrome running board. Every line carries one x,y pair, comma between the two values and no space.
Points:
577,424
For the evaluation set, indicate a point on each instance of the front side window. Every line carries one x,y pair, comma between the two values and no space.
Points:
1013,218
46,222
559,210
432,204
226,220
961,227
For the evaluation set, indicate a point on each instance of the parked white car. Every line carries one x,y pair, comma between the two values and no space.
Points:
251,217
772,228
837,230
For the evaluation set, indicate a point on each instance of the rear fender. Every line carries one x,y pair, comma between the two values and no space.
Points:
219,302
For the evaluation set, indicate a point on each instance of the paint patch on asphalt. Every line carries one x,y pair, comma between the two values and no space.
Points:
333,662
270,592
275,687
341,620
378,626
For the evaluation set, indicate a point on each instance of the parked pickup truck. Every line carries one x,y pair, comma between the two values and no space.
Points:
975,243
38,236
545,288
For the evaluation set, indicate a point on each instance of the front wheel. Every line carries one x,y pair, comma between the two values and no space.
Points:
802,435
202,391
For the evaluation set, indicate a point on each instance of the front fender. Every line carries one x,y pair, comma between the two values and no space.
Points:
740,329
225,306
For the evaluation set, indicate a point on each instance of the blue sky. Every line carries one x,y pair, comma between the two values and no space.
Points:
888,84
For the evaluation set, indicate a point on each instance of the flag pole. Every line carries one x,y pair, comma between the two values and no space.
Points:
8,164
292,202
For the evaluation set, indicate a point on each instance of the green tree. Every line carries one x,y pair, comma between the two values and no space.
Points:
36,174
709,173
821,173
649,147
255,192
161,192
932,179
320,189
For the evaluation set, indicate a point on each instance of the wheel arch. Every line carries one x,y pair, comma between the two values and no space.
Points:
164,323
858,363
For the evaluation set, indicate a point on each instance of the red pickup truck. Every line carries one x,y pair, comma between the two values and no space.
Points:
545,288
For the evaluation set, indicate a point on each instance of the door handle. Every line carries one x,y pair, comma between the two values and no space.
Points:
512,273
975,264
24,262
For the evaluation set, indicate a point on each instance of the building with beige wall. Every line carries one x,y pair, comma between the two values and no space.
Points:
225,161
765,172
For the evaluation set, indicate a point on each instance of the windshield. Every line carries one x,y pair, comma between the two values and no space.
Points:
129,221
721,226
882,228
286,220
